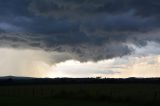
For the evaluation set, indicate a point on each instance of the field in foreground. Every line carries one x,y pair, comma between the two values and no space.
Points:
56,102
81,94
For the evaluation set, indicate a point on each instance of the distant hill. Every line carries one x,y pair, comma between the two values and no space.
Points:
14,80
14,77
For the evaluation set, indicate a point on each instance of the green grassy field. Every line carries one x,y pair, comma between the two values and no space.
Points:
79,94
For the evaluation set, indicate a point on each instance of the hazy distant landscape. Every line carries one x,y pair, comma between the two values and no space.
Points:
82,91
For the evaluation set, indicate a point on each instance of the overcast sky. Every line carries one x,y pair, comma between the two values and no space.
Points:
80,38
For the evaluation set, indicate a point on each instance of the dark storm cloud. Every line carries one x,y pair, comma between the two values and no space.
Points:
74,8
87,29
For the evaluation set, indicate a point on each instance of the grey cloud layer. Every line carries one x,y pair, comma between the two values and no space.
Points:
87,29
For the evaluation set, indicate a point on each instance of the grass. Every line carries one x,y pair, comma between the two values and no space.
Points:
55,102
81,94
